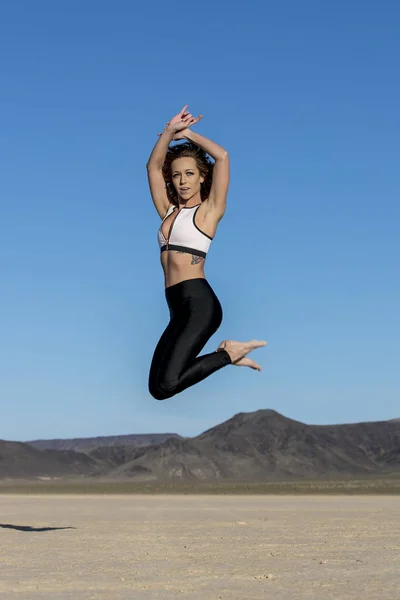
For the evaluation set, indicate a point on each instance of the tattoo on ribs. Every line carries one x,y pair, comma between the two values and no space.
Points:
196,260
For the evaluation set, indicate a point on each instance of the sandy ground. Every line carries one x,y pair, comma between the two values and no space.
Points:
199,547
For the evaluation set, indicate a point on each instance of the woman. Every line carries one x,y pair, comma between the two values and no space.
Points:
189,193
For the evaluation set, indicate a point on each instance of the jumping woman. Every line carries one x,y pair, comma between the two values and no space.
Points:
189,193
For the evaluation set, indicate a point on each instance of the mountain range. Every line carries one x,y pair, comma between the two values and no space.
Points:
133,439
255,446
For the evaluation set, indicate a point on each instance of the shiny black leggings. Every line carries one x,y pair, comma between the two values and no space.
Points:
195,315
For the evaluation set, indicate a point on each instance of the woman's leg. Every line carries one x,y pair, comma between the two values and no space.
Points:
196,314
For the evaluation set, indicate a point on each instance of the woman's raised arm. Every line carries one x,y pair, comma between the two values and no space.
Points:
154,173
221,171
156,160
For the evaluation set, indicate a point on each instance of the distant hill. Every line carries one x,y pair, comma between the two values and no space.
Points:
263,445
82,444
256,446
19,460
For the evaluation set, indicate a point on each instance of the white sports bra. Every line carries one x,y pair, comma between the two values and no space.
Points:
184,235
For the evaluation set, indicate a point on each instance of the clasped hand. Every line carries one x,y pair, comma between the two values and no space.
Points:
179,124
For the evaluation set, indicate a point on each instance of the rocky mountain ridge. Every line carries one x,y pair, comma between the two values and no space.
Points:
255,446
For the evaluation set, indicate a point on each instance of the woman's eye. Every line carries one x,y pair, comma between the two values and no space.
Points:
177,174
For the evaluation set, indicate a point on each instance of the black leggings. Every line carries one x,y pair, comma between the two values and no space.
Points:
195,315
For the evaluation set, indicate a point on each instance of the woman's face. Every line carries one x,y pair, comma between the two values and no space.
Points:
186,177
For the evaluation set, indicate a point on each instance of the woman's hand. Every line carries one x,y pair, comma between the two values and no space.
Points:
184,132
181,122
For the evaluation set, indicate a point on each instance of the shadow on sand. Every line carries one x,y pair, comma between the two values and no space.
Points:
29,528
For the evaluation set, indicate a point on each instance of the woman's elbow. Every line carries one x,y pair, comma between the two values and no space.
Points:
224,156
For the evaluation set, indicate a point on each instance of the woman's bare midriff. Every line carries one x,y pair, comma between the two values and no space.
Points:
179,266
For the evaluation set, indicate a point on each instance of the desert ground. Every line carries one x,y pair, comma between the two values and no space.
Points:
199,547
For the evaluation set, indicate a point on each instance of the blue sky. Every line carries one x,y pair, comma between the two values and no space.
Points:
305,98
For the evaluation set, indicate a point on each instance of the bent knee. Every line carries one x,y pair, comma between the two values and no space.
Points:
162,390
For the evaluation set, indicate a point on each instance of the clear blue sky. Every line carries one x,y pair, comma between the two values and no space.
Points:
305,96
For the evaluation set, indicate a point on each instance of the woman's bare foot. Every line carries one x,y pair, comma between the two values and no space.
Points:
237,350
247,362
